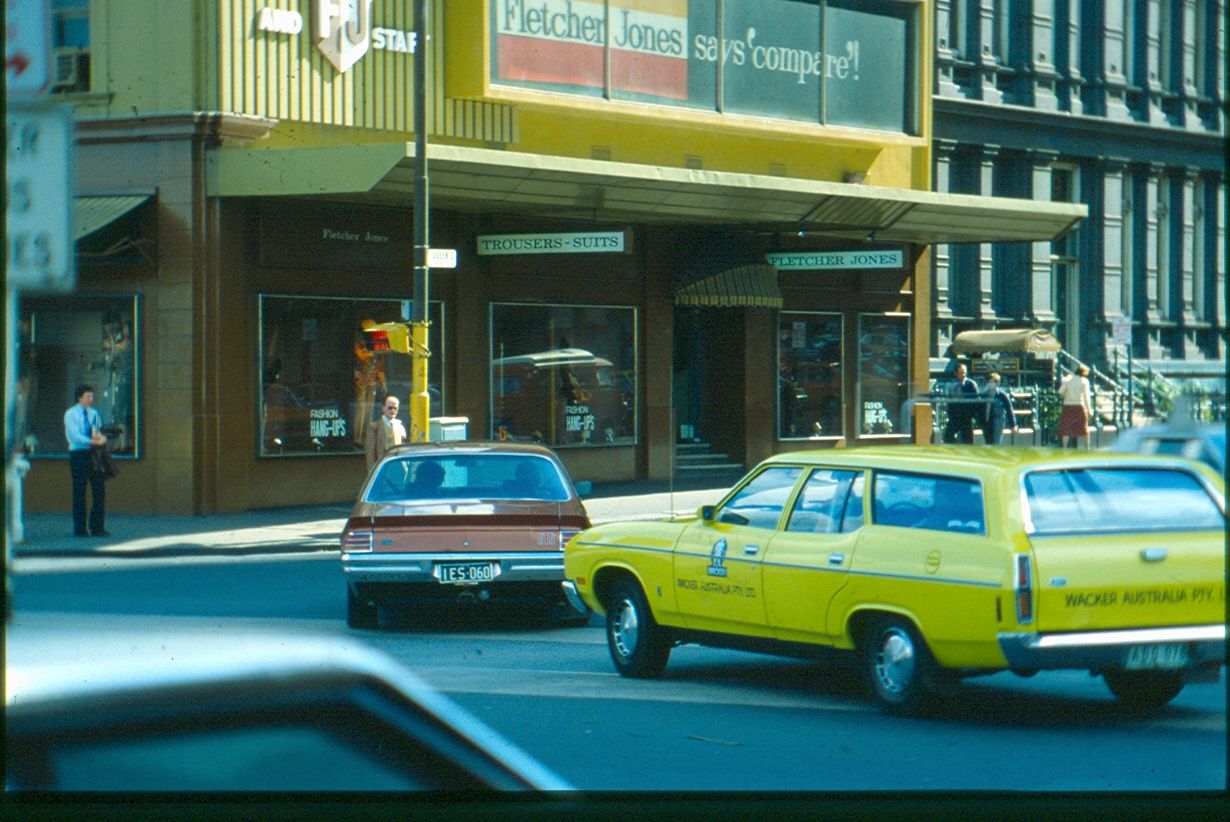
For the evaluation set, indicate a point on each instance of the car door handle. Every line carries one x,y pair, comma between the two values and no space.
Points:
751,550
836,559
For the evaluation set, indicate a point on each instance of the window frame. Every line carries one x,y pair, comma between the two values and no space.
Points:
841,369
984,525
437,361
907,383
134,302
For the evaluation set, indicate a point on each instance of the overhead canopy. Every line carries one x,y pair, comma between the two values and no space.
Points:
479,179
726,271
1029,340
93,213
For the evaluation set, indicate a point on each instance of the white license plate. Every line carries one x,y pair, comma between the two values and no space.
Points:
1146,657
466,572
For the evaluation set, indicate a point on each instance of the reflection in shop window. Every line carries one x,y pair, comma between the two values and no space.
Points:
883,372
64,342
563,375
321,385
809,375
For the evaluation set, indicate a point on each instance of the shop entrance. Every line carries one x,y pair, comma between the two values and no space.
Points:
708,385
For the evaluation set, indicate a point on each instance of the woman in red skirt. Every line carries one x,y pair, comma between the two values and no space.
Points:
1077,408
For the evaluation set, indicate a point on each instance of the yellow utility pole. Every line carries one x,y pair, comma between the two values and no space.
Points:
420,405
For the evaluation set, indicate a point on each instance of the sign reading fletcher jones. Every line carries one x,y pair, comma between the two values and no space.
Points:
581,242
822,260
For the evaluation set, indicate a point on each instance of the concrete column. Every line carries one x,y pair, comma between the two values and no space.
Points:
1041,298
1068,39
1183,278
943,156
1114,55
1114,201
1154,241
1183,34
986,58
1038,62
1149,75
948,41
986,186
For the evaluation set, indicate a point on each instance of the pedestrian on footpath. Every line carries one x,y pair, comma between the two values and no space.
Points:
1077,408
385,432
961,409
83,430
1000,414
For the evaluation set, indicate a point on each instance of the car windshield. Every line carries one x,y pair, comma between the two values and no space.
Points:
468,476
1102,500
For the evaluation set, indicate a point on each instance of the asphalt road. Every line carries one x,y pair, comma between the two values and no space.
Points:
717,721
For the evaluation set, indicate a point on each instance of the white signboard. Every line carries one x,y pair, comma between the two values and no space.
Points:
829,260
581,242
39,252
27,48
1121,331
441,258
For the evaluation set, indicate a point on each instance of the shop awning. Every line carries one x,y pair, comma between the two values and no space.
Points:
725,271
93,213
1029,340
476,179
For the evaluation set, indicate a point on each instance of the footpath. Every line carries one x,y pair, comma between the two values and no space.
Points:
310,528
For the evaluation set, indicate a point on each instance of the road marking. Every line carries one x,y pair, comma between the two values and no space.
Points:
590,685
52,565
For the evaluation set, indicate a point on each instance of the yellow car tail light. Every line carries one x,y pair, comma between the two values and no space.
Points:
1024,589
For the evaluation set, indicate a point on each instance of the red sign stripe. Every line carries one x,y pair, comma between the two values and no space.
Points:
529,59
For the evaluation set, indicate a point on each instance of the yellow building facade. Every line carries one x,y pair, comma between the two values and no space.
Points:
681,227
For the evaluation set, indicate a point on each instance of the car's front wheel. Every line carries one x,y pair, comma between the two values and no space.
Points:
361,612
1144,690
639,646
898,667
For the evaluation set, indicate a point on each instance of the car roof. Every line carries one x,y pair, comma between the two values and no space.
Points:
978,460
61,664
443,447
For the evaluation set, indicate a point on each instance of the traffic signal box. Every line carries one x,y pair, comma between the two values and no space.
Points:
393,337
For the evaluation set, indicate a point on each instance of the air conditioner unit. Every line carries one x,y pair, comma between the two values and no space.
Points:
72,70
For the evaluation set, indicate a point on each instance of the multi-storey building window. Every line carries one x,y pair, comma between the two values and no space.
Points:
70,38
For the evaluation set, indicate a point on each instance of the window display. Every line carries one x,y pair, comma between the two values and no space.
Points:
563,375
321,384
809,376
883,372
64,342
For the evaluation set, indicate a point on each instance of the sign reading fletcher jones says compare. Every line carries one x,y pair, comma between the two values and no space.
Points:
578,242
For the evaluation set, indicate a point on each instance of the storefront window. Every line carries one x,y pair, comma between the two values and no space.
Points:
64,342
809,376
563,375
320,383
883,372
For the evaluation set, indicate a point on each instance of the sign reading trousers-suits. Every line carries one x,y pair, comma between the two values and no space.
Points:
574,242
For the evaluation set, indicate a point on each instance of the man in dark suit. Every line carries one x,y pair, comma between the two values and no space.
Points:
961,410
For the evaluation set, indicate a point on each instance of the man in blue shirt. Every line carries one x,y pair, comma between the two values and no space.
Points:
82,428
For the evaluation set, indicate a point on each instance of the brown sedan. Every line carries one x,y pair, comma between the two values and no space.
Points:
461,522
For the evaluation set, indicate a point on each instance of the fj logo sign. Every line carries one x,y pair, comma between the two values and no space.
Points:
343,30
716,557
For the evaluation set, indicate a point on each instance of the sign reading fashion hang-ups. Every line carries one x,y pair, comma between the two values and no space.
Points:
831,260
342,29
832,61
576,242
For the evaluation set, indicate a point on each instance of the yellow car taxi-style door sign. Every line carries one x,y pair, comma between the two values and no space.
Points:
718,555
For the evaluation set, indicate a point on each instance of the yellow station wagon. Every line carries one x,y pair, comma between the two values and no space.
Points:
932,563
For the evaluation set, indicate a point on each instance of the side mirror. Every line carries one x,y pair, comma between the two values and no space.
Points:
584,488
707,512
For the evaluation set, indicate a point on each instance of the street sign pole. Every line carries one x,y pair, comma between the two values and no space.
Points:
420,402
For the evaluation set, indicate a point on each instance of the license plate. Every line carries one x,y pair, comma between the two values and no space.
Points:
1146,657
466,572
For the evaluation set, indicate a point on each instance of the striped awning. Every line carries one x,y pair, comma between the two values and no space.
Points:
94,213
751,285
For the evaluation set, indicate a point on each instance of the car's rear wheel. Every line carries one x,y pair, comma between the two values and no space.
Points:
898,667
1144,690
361,611
639,646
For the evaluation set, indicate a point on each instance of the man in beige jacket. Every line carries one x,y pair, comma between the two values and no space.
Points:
385,432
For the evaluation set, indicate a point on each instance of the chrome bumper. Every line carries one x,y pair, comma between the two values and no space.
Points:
1206,644
574,598
361,566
